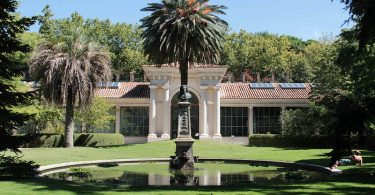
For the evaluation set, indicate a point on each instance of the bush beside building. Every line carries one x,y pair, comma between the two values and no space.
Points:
316,141
57,140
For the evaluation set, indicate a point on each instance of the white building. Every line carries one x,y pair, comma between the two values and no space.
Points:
147,111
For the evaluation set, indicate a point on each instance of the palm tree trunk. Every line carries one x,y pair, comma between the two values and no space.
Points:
184,71
69,122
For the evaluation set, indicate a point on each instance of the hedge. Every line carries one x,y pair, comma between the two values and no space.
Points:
99,139
321,141
57,140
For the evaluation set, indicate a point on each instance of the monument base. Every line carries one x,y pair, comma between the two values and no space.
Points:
184,158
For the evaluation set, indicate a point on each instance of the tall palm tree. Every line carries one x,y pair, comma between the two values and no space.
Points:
68,72
183,31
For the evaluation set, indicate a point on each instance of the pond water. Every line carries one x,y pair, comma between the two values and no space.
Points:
205,174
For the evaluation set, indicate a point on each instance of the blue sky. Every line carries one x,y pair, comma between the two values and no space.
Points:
306,19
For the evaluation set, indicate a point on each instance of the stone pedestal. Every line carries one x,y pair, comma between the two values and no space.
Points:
184,177
184,159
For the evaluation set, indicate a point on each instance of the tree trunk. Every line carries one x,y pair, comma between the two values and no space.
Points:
258,77
184,71
83,127
287,77
117,75
272,77
69,122
88,128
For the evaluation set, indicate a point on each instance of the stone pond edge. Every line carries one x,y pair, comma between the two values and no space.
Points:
53,167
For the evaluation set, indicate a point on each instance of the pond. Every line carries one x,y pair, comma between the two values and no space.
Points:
205,174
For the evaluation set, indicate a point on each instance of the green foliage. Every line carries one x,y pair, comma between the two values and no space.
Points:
68,67
347,91
11,26
57,140
97,115
181,30
79,172
320,57
308,141
362,12
45,118
267,54
99,139
123,41
273,140
107,165
13,166
41,140
32,39
304,121
46,22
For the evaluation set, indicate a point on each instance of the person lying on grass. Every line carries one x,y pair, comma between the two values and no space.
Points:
356,159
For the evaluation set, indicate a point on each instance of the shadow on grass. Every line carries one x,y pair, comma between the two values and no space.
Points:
344,184
317,161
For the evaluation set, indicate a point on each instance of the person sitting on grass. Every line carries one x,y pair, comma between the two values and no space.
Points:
356,159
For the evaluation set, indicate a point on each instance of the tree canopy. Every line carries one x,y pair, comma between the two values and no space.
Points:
268,54
122,40
10,67
68,71
363,14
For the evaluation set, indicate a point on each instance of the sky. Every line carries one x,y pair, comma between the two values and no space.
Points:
305,19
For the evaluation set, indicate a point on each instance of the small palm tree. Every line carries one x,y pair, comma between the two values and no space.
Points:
183,31
68,72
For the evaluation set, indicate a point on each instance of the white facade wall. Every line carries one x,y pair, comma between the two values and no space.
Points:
205,84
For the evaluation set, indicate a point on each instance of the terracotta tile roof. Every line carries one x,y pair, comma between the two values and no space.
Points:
244,91
126,90
228,91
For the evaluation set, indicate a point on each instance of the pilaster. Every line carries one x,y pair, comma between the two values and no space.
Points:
217,134
152,115
166,114
118,119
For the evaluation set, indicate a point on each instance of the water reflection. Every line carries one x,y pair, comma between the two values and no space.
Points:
200,177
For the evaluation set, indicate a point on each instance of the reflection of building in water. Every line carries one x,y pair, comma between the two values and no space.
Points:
202,177
134,179
158,180
236,178
212,178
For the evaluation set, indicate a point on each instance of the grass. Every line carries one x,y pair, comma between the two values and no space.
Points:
354,180
45,156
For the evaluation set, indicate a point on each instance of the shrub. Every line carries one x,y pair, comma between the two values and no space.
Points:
98,139
108,164
42,140
272,140
13,166
304,121
57,140
316,141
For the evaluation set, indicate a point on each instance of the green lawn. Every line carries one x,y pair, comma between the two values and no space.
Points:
354,180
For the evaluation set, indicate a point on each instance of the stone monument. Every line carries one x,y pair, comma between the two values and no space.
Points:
184,158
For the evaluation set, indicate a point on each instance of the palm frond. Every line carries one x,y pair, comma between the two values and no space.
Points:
73,64
183,29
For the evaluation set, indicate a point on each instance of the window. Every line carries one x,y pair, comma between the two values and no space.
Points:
234,121
266,120
134,121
